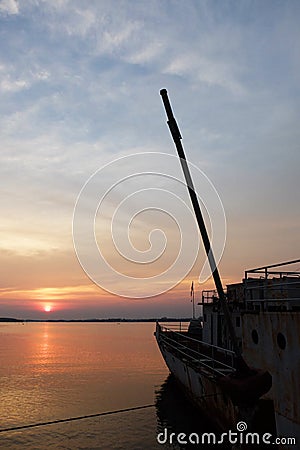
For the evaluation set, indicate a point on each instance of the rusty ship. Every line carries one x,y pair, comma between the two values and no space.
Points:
240,360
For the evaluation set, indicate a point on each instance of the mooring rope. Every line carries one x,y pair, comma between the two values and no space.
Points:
89,416
71,419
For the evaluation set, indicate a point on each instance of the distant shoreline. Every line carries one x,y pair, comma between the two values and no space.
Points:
113,320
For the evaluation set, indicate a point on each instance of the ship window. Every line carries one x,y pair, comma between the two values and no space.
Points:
254,335
281,341
238,321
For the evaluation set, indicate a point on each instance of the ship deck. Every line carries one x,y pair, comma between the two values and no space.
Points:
199,354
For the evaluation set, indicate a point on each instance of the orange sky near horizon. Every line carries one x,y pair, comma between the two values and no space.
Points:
34,278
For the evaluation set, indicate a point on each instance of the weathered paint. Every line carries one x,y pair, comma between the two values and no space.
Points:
265,311
283,364
203,391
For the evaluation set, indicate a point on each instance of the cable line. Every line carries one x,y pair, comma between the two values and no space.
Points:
71,419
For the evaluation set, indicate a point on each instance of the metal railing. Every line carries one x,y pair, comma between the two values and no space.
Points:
209,296
265,271
274,286
180,327
216,359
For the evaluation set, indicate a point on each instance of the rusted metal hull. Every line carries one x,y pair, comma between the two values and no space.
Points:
265,310
281,358
203,390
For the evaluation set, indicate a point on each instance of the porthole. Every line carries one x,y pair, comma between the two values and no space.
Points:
281,341
254,336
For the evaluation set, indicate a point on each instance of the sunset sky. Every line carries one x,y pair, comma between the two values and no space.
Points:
79,86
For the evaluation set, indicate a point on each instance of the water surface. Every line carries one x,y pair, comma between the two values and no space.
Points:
53,371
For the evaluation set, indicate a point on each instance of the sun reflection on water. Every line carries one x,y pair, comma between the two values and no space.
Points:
56,370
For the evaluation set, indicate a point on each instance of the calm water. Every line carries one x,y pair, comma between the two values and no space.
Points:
55,371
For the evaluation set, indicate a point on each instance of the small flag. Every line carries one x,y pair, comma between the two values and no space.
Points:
192,289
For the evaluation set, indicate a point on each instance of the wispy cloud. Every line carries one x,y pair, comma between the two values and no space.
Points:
8,7
79,86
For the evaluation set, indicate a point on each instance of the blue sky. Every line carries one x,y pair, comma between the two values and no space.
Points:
79,86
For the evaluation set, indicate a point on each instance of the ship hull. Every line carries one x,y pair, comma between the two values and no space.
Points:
206,392
203,383
203,390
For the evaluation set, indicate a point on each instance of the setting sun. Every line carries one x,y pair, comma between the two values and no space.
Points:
47,308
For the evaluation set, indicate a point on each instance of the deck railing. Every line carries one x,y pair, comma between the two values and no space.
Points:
213,358
265,271
179,327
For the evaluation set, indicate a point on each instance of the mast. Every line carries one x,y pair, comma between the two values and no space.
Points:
193,299
242,367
